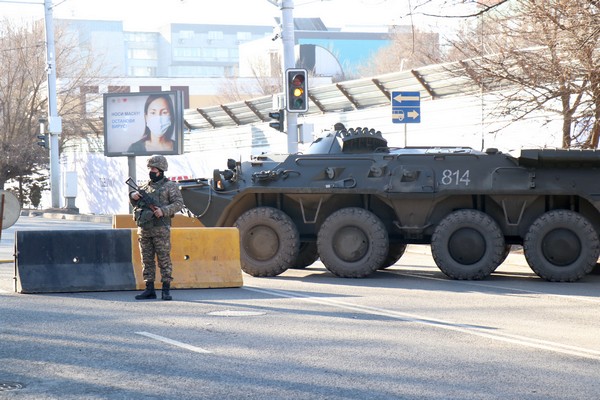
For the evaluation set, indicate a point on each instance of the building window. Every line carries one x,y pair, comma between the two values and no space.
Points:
186,52
186,34
215,35
244,36
222,54
208,53
142,54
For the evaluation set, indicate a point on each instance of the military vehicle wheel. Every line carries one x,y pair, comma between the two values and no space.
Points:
507,249
307,256
269,241
352,243
561,246
468,244
394,254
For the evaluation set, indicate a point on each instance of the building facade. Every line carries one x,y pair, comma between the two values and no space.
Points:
180,50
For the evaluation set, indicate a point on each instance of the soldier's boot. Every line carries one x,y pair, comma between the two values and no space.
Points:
149,293
166,288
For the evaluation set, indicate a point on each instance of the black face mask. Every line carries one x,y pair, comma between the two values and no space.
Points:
155,176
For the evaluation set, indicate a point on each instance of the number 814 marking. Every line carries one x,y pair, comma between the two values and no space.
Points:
456,177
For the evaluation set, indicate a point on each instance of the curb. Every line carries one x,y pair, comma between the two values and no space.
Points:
68,216
80,217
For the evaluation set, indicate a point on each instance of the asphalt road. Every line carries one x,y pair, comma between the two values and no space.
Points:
404,333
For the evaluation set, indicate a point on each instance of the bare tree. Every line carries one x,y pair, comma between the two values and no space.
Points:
79,101
455,8
24,97
408,48
266,79
22,78
540,55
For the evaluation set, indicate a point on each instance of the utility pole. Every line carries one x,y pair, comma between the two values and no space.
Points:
289,61
54,121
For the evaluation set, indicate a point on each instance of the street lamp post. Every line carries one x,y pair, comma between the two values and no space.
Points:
289,61
54,121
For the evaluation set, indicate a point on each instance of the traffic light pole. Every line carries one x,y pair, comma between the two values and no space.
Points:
289,61
54,121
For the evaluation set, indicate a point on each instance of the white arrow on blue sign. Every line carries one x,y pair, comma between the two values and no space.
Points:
406,107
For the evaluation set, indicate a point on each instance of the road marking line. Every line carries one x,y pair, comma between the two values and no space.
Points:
174,342
442,324
433,278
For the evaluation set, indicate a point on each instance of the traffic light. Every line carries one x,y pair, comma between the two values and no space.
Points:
296,85
43,141
279,116
43,137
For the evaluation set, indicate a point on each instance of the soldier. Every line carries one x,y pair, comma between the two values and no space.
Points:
154,205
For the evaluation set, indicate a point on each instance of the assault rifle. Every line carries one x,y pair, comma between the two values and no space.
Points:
145,197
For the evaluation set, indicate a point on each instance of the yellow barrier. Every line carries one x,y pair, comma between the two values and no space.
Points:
179,221
202,258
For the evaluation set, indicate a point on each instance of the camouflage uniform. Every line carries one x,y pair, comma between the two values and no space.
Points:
154,234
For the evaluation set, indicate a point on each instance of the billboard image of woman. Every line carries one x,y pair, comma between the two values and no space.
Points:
139,124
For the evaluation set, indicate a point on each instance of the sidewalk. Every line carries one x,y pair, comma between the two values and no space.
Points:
7,243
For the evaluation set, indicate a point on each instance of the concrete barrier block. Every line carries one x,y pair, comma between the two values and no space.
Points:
103,260
74,261
202,258
178,221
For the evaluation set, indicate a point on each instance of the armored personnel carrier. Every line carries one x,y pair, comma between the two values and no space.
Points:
356,203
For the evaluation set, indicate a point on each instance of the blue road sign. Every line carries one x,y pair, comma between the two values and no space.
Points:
406,107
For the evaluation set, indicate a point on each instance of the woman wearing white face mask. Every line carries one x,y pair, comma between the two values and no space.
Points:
158,135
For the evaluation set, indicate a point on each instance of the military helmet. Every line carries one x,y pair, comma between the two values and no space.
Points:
159,162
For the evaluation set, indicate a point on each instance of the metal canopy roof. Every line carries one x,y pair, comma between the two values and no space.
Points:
437,81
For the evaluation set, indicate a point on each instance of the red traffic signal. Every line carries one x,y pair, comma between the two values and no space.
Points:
296,90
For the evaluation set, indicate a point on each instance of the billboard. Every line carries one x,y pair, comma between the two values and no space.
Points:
141,124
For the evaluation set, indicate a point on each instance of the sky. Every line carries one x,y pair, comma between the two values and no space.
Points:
151,14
